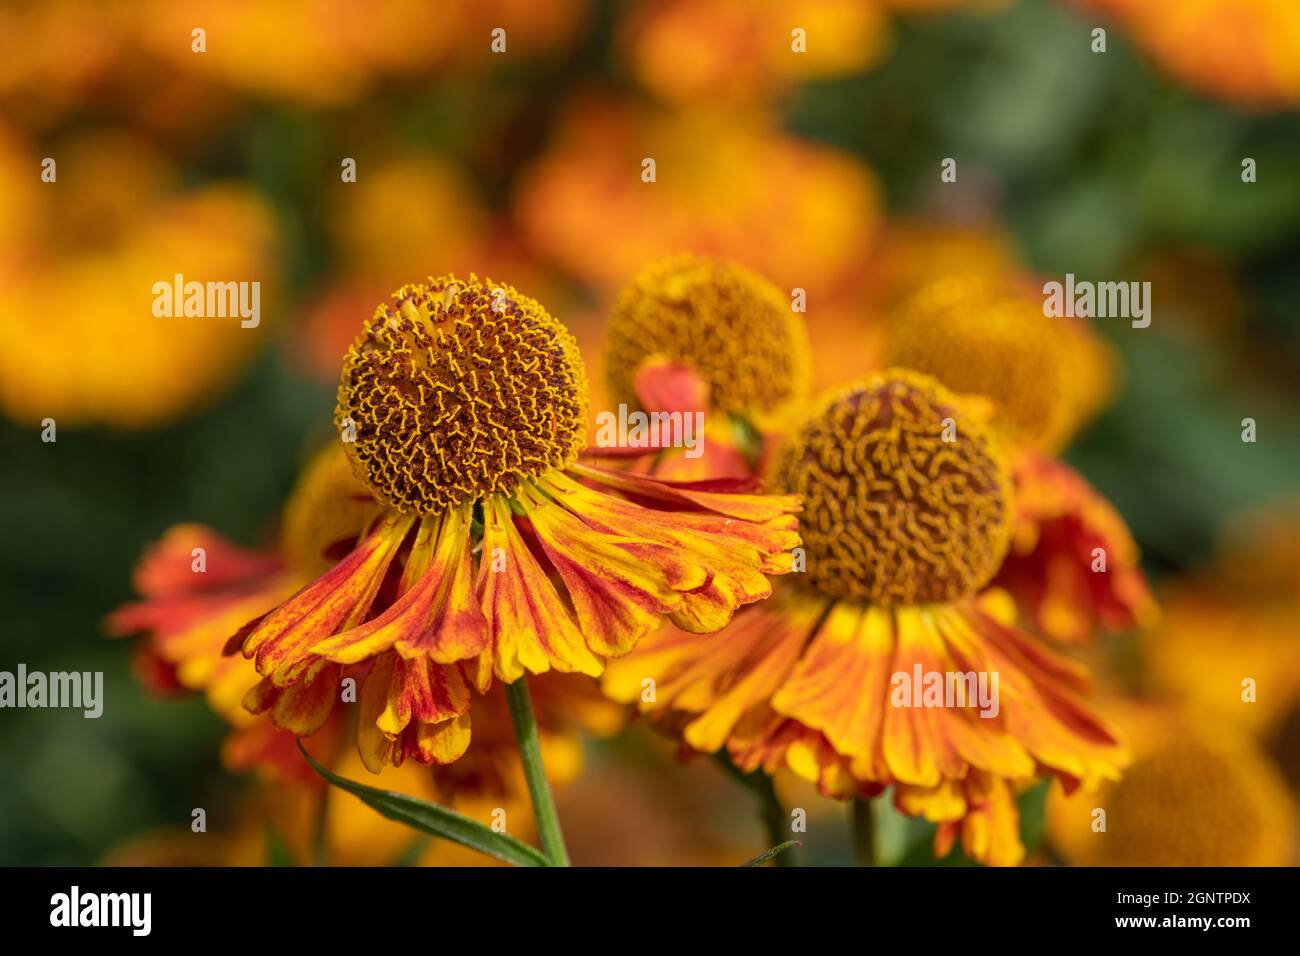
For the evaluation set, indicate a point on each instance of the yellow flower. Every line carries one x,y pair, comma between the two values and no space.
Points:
988,336
903,531
462,406
1198,793
328,52
101,237
732,328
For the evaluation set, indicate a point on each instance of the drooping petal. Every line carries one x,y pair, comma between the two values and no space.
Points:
715,563
531,628
436,615
406,710
1073,564
616,595
302,706
722,496
280,643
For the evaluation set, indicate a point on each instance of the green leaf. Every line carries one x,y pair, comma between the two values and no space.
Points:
436,820
773,853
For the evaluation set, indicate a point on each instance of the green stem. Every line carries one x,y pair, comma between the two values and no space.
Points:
864,832
530,754
769,806
774,818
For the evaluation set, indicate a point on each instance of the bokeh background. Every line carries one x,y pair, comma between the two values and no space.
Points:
820,170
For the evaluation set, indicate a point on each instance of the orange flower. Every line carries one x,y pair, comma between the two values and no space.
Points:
707,338
904,529
1073,563
1199,793
1227,644
197,589
328,52
734,49
712,194
1242,51
462,407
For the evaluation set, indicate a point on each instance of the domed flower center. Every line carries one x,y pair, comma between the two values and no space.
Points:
906,497
1047,376
732,326
459,389
1152,808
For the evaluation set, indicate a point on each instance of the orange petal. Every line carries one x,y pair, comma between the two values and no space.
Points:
531,628
401,700
437,615
335,601
721,496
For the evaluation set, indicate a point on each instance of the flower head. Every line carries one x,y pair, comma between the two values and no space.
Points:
908,505
730,326
1197,794
459,390
899,513
1046,376
187,612
496,553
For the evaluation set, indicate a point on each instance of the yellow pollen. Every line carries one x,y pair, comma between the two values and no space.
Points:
732,326
456,390
328,507
906,493
1046,375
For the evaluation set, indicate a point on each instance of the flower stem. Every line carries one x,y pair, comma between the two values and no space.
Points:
864,832
774,820
769,805
530,754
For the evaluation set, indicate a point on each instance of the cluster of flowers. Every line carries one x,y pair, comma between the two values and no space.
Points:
459,537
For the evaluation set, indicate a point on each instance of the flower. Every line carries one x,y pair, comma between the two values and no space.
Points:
462,408
749,51
1246,52
1046,376
731,327
712,194
197,588
1226,645
903,530
1198,793
330,53
86,266
1073,563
